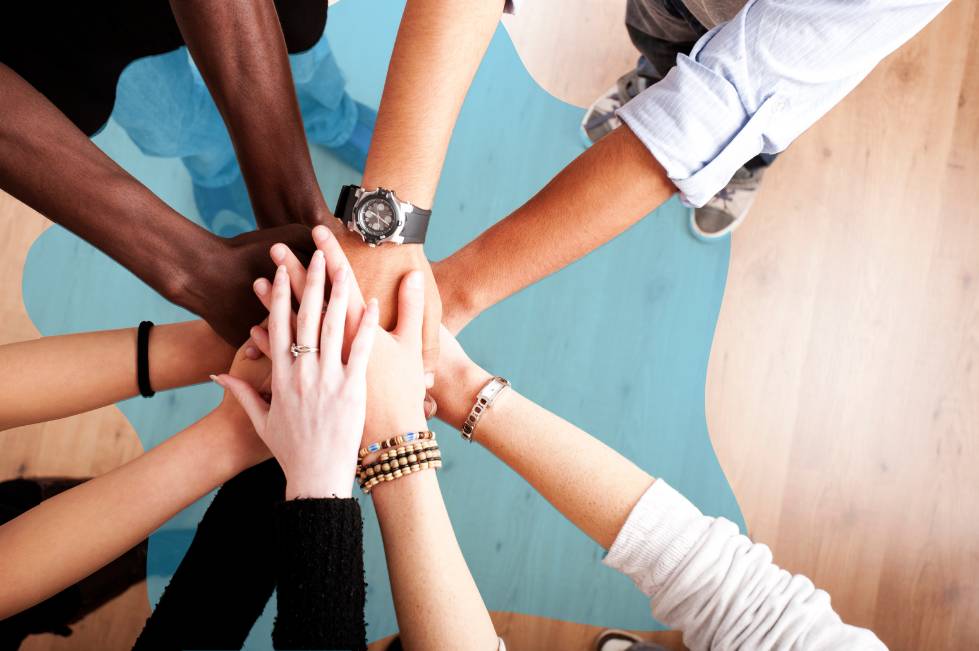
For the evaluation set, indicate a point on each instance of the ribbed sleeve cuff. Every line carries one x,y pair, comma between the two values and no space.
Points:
656,537
320,575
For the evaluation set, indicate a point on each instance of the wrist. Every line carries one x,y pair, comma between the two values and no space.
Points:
461,301
233,444
188,283
459,396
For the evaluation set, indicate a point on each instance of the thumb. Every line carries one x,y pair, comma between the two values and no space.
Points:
246,395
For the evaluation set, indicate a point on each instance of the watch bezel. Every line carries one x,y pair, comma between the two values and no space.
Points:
358,224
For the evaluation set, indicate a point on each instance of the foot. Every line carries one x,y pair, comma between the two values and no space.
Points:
225,210
727,210
600,119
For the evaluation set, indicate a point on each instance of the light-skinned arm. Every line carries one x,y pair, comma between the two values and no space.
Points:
436,599
74,533
93,369
703,576
591,484
438,49
603,192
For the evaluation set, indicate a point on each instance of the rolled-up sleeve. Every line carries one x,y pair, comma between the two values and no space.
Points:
754,84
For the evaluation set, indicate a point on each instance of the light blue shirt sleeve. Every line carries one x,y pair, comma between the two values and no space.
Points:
754,84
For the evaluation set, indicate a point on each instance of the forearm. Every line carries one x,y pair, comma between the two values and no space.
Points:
69,536
591,484
241,53
51,166
89,370
435,57
436,600
599,195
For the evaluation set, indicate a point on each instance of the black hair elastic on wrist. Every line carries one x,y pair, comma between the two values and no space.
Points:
143,359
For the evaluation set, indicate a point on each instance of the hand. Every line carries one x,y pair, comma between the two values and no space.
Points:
314,423
392,408
221,292
257,373
379,272
457,381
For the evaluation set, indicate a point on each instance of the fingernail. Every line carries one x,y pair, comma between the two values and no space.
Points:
261,286
277,253
318,255
281,274
429,380
251,352
216,380
415,279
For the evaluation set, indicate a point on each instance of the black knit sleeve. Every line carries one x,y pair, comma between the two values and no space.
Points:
320,575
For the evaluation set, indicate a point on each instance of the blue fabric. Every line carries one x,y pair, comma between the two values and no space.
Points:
166,109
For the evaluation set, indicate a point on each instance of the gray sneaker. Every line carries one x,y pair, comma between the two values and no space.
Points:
729,207
600,118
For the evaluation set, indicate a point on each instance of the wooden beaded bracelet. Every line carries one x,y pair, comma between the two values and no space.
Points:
418,445
396,457
399,462
396,440
369,485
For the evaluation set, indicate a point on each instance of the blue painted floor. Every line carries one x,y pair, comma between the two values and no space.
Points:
618,343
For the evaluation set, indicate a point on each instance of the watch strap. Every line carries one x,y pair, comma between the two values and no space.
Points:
416,225
345,203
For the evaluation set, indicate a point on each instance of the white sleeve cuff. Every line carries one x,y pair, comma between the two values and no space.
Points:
693,122
656,537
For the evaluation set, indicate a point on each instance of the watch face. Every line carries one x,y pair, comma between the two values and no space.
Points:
377,217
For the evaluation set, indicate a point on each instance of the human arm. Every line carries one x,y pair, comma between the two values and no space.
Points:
313,426
51,166
110,514
438,49
607,189
702,576
92,369
436,600
241,53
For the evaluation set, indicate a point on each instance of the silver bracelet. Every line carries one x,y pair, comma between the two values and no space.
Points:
484,400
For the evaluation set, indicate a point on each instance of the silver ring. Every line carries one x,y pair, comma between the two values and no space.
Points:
301,349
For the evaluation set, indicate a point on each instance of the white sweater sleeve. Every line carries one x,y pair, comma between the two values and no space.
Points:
721,590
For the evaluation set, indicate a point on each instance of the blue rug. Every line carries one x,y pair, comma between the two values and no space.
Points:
617,343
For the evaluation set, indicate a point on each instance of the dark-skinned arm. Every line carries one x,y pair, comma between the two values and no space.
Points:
50,165
241,53
607,189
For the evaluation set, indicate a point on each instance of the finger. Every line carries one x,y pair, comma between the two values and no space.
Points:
280,330
260,337
431,407
246,395
283,255
336,259
431,331
263,290
360,349
411,307
331,345
311,307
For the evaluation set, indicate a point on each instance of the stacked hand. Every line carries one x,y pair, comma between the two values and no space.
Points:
318,416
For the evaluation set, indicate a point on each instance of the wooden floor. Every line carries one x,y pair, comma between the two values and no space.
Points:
843,389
